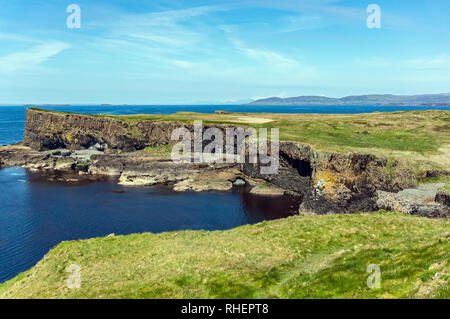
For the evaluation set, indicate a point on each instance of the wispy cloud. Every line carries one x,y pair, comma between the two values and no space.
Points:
163,28
18,38
166,18
169,38
441,61
32,57
270,58
431,63
303,22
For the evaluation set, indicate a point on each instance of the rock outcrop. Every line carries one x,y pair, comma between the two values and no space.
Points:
46,130
424,201
334,183
51,130
18,155
443,197
141,170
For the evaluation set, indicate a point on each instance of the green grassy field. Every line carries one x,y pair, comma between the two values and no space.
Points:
298,257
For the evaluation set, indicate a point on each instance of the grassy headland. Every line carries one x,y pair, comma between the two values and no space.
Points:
298,257
418,139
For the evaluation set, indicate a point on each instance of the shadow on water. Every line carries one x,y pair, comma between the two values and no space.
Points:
38,212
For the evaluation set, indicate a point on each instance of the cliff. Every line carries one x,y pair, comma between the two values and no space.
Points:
334,183
51,130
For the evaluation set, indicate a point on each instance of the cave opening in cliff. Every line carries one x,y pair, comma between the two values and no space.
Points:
303,167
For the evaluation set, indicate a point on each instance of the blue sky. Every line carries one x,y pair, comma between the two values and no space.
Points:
191,51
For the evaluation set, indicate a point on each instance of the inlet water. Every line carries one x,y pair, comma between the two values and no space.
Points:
36,214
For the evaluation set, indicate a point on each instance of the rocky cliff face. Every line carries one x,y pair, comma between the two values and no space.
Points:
334,183
443,197
49,130
328,182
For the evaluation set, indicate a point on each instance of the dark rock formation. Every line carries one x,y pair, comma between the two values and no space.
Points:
18,155
443,197
49,130
46,130
333,182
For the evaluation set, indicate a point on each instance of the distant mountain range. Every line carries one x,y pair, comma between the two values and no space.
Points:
374,99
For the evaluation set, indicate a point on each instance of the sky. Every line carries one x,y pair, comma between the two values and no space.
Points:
221,52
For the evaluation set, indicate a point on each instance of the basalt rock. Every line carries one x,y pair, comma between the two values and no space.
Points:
52,130
333,183
443,197
141,170
18,155
419,201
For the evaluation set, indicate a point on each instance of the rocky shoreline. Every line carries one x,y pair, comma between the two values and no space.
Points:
93,147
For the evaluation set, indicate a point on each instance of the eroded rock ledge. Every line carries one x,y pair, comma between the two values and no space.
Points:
327,182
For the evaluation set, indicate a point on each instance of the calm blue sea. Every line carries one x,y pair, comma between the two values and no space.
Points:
36,214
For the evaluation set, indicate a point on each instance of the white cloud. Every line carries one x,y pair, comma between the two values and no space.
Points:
163,39
303,22
32,57
162,28
160,18
170,17
167,38
269,57
18,38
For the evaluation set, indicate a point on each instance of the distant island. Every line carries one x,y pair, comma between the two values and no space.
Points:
45,105
374,99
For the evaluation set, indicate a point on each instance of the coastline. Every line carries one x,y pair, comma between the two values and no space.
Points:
73,148
136,150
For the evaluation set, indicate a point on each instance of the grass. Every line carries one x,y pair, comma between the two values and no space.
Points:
298,257
266,185
420,139
164,150
438,179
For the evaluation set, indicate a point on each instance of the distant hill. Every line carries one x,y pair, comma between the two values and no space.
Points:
374,99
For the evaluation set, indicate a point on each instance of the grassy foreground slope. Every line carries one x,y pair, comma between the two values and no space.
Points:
298,257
